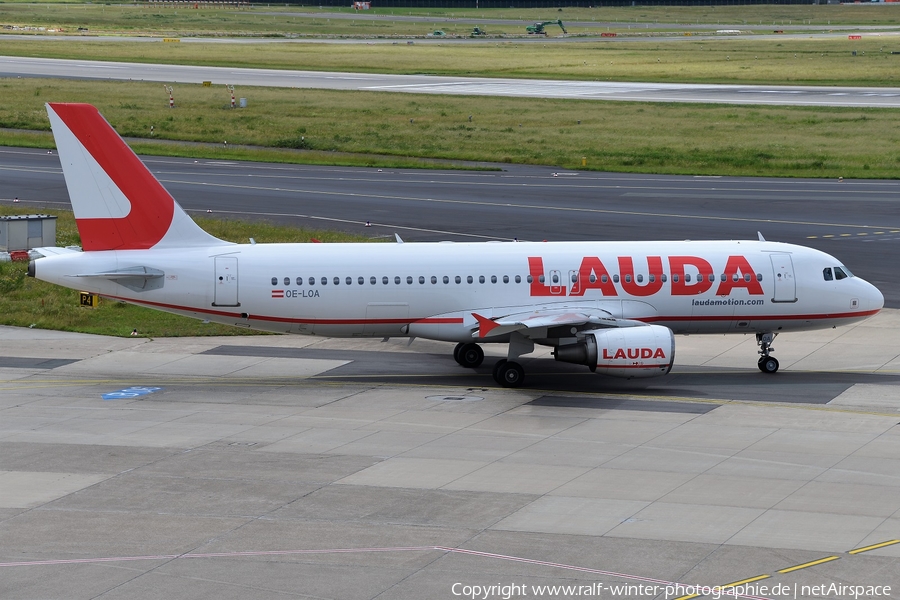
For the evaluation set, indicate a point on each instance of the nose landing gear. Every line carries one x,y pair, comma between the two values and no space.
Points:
766,363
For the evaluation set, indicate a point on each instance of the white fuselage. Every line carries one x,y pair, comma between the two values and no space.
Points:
431,290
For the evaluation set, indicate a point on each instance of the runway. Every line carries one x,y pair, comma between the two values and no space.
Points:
278,466
856,221
887,97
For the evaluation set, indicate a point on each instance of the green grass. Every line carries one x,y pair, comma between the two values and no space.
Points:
27,302
785,61
613,136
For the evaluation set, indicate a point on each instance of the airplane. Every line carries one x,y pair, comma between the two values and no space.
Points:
614,307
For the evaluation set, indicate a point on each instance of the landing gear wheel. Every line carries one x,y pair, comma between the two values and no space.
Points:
768,364
509,374
470,356
456,351
496,372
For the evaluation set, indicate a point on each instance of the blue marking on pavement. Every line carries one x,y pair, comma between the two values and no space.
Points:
131,392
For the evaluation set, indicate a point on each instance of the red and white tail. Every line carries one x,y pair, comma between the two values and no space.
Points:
118,203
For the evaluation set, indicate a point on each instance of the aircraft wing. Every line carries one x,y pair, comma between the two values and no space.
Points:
544,318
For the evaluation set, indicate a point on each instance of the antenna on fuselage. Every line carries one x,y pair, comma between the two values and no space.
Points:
761,238
397,235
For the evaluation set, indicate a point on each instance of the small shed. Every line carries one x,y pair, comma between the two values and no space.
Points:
24,232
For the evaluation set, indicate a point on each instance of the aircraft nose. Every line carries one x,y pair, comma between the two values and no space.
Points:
874,296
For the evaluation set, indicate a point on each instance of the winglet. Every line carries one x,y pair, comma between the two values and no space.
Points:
485,325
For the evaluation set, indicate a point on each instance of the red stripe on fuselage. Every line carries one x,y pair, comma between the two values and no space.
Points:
708,318
459,320
152,206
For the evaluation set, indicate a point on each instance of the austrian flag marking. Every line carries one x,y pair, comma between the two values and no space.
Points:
278,293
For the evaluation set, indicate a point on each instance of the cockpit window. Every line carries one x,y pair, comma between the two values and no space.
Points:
826,272
839,273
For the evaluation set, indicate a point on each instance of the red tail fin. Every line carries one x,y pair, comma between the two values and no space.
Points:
118,203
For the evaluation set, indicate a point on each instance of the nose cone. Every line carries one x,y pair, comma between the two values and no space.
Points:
877,298
873,296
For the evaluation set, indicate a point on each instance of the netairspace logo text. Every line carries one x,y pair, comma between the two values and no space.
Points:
520,590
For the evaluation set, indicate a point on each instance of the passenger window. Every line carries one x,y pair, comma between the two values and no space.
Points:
458,279
287,281
349,281
312,281
746,276
592,278
664,277
299,281
603,278
687,277
396,280
555,278
506,279
628,279
723,277
384,280
324,281
433,279
494,278
361,281
839,274
540,278
481,279
574,278
372,280
759,276
529,279
469,279
518,279
735,277
675,278
446,279
421,280
274,281
409,280
652,278
337,281
616,278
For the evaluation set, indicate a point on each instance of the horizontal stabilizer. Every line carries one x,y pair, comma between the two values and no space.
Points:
139,279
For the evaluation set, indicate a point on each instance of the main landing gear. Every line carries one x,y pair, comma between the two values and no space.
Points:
507,372
766,364
468,355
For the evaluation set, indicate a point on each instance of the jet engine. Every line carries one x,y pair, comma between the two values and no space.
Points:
642,351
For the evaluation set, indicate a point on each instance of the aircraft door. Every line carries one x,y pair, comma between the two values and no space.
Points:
785,284
226,293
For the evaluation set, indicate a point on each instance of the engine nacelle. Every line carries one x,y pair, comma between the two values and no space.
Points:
643,351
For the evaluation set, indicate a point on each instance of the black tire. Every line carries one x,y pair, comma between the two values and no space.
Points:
511,374
456,352
768,364
496,372
471,356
